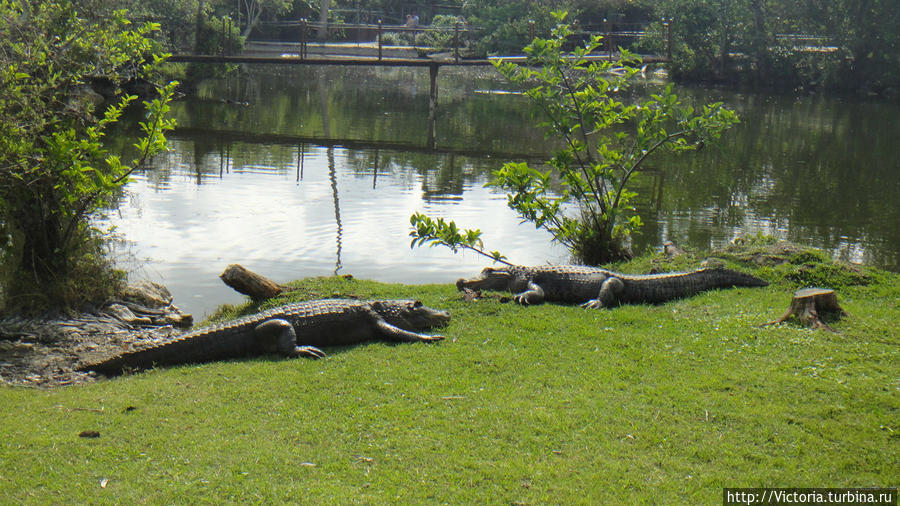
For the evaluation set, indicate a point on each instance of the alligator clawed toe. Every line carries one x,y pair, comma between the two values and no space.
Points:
593,304
310,351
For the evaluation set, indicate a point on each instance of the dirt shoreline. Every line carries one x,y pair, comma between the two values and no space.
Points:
45,351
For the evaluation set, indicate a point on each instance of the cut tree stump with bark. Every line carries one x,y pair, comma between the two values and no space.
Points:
809,304
250,283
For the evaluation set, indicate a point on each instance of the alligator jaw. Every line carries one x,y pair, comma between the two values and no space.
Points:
488,279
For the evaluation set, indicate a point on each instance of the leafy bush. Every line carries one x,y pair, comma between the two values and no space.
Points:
395,39
440,34
56,169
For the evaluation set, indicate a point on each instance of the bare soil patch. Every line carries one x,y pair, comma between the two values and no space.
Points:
44,351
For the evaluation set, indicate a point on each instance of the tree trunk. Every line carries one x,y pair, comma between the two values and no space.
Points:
198,26
760,40
254,11
323,20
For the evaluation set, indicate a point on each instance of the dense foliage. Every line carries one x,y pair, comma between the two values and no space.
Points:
56,170
841,44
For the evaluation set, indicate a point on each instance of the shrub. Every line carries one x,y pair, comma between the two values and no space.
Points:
56,169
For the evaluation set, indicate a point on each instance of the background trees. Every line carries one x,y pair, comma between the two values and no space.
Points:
851,44
855,44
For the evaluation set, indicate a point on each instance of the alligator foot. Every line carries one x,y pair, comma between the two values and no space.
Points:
530,298
309,351
534,295
593,304
521,299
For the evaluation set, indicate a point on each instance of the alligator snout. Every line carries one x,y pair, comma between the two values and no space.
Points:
471,283
442,318
488,279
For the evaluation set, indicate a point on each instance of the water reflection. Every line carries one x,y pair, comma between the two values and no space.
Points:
332,177
290,213
259,184
812,169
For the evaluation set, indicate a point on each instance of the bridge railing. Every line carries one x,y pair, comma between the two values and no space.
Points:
455,39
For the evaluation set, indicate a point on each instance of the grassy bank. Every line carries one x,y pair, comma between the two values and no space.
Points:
553,404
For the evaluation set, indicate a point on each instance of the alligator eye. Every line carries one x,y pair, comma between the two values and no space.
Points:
417,304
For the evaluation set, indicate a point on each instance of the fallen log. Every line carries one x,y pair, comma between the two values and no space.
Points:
249,283
810,305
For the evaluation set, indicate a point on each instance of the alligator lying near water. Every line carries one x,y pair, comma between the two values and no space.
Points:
595,288
293,330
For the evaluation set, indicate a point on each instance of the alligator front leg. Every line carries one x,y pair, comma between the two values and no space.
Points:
394,333
278,336
534,295
607,297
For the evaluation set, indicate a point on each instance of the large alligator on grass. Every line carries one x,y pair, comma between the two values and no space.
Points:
595,288
293,330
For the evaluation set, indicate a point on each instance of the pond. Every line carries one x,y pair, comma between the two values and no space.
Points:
296,172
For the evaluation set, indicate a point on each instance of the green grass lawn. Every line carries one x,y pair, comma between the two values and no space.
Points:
547,404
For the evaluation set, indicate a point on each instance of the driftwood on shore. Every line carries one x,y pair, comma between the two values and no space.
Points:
249,283
809,305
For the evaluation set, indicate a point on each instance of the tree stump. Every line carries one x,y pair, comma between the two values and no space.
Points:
808,304
249,283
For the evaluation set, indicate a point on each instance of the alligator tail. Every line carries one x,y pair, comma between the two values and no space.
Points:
664,287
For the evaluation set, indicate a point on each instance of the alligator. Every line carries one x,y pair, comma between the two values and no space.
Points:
293,330
596,288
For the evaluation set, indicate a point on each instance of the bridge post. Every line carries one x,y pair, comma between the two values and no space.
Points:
379,40
607,27
456,42
303,36
668,24
222,38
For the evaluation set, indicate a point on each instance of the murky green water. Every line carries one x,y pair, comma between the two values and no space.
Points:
298,172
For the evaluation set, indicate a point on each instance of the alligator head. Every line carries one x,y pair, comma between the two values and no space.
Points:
490,278
410,314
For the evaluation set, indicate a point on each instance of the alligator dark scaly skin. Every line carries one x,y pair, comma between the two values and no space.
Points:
593,287
292,330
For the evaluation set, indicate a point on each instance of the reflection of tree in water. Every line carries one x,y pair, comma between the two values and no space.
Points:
443,173
332,177
301,158
445,182
374,104
814,169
